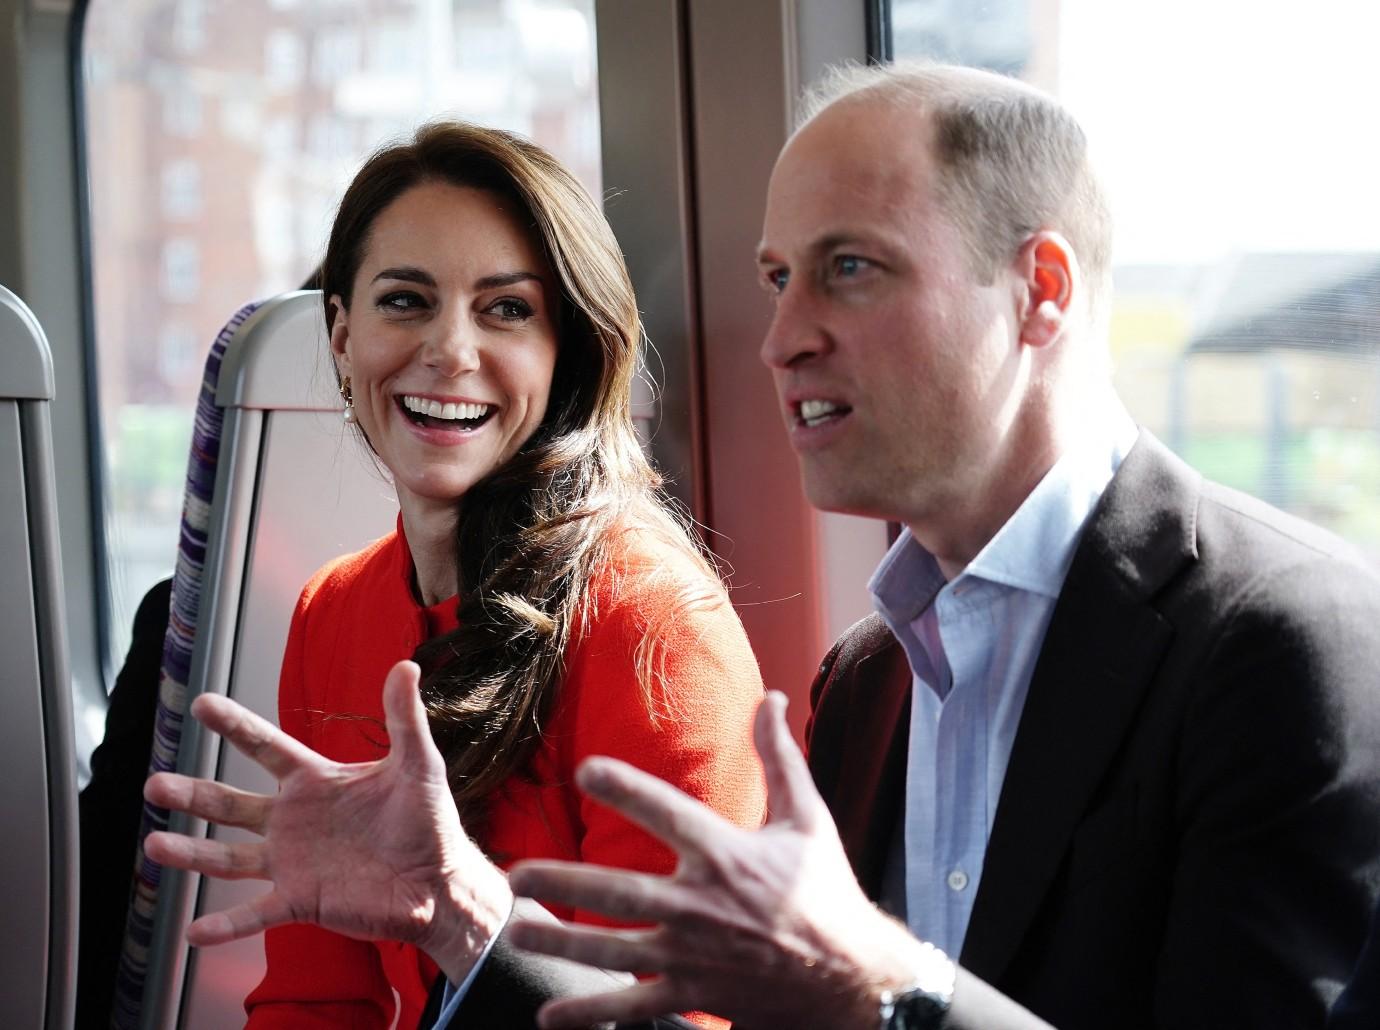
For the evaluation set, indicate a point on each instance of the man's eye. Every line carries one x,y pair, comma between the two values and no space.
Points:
776,279
846,265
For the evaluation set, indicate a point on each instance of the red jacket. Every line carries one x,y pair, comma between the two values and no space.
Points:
357,617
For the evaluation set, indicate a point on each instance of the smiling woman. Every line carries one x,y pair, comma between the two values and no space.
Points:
485,335
453,307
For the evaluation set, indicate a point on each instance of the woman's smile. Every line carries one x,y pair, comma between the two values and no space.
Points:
445,421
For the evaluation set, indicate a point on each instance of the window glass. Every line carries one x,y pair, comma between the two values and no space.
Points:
219,139
1235,144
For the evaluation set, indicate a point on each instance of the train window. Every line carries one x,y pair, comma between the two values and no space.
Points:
1247,310
219,138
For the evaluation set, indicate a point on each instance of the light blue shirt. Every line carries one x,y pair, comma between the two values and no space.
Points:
972,645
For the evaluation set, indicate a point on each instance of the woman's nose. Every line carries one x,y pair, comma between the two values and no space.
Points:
452,347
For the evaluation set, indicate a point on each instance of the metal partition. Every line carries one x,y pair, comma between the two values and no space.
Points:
38,791
293,489
696,99
41,259
648,200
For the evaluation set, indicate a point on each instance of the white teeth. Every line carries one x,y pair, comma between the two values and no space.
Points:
812,412
450,410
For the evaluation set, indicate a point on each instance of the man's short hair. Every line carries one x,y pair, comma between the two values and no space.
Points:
1012,160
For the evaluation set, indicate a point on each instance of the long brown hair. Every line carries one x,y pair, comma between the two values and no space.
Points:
532,536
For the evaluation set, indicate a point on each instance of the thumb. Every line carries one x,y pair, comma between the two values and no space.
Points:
791,793
409,734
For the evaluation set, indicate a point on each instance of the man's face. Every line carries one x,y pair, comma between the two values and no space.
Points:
897,368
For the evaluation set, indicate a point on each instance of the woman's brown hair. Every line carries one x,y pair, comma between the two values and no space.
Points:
531,536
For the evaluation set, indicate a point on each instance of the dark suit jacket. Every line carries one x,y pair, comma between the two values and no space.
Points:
512,985
1188,833
1359,1006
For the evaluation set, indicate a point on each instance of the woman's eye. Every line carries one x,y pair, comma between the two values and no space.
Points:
776,279
511,309
401,301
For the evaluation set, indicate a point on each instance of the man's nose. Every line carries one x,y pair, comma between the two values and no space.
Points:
452,347
796,332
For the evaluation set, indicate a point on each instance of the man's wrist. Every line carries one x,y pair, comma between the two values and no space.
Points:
471,915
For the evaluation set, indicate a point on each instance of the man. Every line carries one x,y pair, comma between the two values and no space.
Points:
1112,741
1110,744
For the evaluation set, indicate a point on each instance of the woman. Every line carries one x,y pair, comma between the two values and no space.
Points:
486,335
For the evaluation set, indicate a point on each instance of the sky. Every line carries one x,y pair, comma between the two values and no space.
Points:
1225,126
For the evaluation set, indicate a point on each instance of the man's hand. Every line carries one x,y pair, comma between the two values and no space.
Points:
373,850
766,927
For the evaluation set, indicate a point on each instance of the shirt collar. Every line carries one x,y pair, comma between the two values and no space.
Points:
906,582
1034,548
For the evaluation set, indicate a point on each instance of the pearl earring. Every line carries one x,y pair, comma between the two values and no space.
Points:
349,413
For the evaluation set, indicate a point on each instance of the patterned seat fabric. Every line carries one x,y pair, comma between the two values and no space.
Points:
177,657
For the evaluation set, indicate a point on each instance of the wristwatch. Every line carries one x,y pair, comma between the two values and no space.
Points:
925,1004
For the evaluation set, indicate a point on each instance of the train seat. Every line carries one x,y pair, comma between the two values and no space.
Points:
276,487
38,783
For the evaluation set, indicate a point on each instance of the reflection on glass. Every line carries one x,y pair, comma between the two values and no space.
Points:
220,136
1246,325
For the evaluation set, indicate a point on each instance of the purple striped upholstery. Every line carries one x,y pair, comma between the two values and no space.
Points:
177,658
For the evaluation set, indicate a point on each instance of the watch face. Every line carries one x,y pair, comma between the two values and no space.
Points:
918,1009
924,1005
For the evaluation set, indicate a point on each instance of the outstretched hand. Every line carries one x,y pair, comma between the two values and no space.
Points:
373,850
766,927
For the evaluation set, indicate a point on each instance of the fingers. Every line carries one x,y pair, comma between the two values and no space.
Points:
408,733
236,861
655,805
641,1001
635,897
265,911
255,737
634,951
791,793
208,800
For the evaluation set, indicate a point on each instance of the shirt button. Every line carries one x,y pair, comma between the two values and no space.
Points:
957,880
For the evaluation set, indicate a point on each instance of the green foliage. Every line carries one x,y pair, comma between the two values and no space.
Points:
1327,475
148,458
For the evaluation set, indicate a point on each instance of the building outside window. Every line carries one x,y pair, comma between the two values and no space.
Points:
219,139
1245,331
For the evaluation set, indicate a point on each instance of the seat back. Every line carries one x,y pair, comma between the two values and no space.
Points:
292,488
38,788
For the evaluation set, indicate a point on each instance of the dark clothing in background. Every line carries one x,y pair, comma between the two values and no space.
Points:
110,808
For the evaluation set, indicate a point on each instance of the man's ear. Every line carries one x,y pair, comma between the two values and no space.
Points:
340,336
1049,273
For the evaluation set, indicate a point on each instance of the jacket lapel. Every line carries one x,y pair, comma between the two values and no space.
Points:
866,803
1104,643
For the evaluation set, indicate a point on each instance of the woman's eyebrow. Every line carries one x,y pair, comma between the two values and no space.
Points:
412,274
407,273
499,279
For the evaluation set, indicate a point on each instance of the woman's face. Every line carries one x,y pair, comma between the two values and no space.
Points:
450,340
